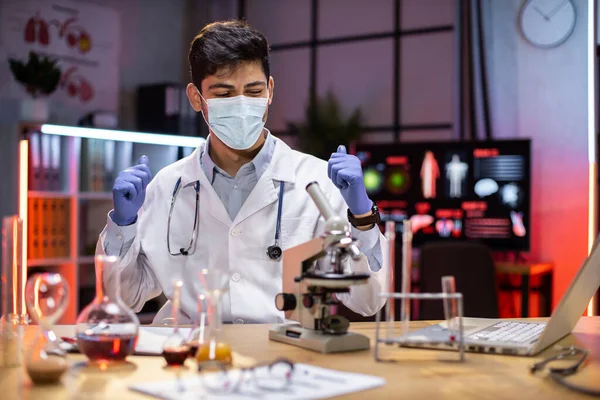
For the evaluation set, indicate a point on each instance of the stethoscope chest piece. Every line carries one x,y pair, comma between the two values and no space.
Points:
274,252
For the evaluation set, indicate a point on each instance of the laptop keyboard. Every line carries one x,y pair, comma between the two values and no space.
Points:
511,332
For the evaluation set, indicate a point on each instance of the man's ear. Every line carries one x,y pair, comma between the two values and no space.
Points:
271,88
194,97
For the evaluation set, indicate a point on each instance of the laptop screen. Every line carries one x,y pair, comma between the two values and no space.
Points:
574,301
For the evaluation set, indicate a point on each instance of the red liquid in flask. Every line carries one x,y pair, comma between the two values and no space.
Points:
176,356
106,347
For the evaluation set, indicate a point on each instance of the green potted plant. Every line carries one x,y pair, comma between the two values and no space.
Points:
325,127
40,77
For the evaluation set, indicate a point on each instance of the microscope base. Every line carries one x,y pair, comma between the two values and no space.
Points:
318,341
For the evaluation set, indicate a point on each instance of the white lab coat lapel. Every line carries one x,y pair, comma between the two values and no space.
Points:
263,194
209,197
266,191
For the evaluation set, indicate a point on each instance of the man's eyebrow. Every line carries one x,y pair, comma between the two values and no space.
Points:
255,83
221,86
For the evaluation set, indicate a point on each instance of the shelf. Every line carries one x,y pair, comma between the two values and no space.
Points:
49,194
95,195
49,262
86,209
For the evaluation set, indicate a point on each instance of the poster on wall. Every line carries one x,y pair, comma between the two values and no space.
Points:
82,37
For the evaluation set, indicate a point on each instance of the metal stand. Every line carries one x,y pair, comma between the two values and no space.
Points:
454,341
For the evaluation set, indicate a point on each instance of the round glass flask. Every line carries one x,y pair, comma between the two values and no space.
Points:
107,330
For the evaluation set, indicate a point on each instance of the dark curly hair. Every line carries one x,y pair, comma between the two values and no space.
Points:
221,46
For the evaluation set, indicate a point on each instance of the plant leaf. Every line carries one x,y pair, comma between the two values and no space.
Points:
325,127
38,76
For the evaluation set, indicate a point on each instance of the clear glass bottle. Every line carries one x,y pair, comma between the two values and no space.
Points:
14,315
47,297
107,330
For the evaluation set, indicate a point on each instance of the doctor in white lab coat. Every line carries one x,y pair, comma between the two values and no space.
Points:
242,174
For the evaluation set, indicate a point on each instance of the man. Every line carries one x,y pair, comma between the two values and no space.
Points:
242,176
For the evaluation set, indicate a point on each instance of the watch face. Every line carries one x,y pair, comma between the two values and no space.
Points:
547,23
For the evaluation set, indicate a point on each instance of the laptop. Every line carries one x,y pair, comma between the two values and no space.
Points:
503,336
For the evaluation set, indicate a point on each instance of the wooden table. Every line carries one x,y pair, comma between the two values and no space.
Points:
420,374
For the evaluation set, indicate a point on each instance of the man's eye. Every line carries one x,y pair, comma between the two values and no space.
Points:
225,94
255,92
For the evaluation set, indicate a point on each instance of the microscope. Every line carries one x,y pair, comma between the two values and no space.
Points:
310,288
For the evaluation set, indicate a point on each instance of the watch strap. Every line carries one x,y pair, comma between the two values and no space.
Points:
374,218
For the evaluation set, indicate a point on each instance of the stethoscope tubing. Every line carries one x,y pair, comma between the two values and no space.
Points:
274,252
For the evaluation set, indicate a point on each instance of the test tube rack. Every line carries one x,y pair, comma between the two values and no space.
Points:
403,340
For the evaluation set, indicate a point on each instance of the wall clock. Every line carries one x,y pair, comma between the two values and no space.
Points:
547,23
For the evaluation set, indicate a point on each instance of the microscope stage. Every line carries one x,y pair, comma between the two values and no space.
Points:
334,281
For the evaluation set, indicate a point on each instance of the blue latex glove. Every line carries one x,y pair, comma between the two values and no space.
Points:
129,192
345,171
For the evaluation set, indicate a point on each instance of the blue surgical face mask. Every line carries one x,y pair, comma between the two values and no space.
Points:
237,121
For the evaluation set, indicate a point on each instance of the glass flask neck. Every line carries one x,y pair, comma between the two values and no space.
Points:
107,265
214,317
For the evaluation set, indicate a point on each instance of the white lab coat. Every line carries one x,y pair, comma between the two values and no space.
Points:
239,246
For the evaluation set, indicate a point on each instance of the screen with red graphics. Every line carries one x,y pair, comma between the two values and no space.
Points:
453,190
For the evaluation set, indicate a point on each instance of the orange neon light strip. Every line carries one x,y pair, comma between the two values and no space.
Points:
23,193
592,122
15,262
591,223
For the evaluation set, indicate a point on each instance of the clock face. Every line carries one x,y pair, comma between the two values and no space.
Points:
547,23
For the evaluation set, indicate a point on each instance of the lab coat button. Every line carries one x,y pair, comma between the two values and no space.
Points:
238,321
235,277
119,236
235,232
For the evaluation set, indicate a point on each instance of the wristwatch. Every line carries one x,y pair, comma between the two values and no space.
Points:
374,218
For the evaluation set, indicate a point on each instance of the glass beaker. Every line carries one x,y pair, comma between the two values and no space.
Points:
47,297
107,330
214,283
13,312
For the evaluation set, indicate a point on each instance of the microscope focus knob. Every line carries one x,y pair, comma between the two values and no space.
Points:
285,301
308,301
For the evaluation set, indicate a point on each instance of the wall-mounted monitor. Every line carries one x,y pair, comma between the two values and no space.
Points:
454,190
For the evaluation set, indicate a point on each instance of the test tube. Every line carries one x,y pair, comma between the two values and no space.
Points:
407,237
450,310
390,235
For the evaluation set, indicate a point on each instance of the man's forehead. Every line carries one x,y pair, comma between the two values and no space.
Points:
251,70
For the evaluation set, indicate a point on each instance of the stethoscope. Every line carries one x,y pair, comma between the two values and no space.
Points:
274,251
